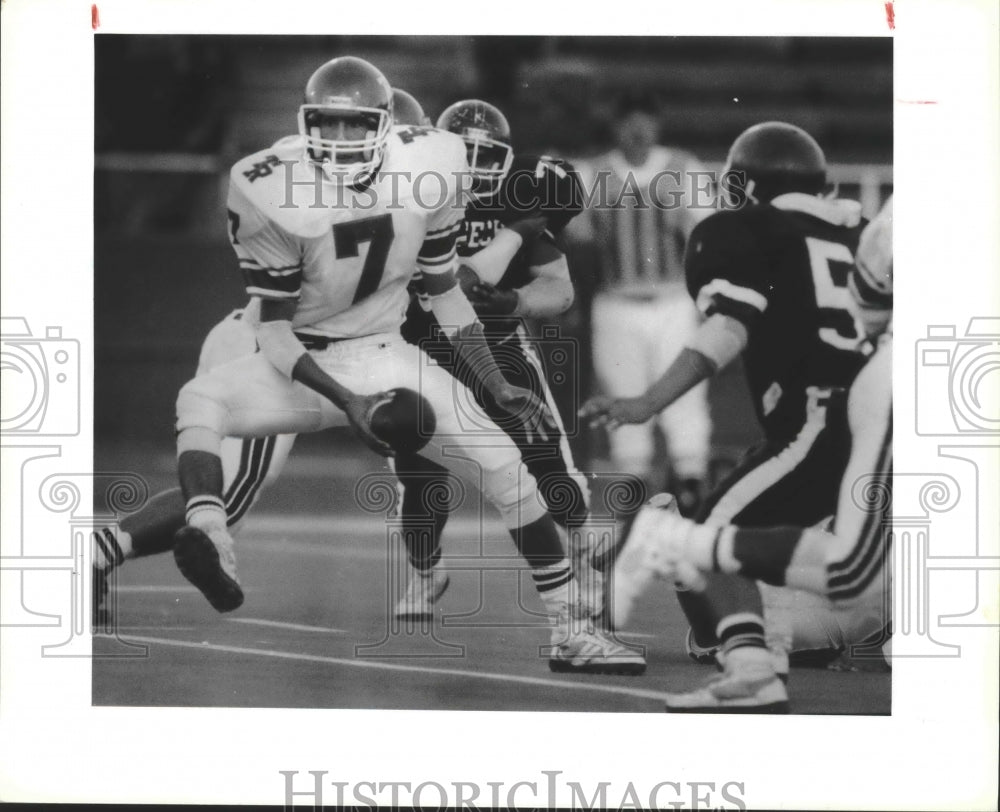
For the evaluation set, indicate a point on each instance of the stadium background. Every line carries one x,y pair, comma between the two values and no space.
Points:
172,114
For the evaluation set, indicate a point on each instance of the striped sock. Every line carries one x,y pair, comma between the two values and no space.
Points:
109,548
206,512
739,630
553,584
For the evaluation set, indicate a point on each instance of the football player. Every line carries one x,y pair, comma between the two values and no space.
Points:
510,272
770,276
329,288
847,565
248,464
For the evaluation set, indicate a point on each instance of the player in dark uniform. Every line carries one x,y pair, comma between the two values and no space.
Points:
513,267
770,276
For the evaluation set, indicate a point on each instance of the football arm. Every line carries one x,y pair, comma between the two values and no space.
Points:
718,341
550,292
715,344
491,263
458,321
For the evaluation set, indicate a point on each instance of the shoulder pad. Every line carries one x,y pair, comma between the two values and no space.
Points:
413,148
259,190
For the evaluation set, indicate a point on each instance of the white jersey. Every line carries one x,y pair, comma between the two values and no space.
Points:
346,256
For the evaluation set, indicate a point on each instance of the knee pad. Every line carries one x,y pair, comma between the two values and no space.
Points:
514,492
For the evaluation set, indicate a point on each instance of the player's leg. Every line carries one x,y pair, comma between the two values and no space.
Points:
249,465
151,529
244,398
622,371
562,487
425,492
488,457
843,564
801,480
687,423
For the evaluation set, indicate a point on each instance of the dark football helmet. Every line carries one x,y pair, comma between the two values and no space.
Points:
407,110
346,118
487,140
771,159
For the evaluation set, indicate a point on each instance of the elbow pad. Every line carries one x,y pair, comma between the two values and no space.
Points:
720,339
453,311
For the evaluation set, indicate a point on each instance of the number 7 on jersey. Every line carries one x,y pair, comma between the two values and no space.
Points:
347,239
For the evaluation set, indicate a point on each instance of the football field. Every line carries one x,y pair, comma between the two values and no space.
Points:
316,629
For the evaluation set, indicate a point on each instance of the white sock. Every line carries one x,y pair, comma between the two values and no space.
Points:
553,584
110,547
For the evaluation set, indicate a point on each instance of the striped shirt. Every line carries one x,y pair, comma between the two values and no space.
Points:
640,218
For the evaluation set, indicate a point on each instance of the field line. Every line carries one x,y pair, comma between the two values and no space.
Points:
596,687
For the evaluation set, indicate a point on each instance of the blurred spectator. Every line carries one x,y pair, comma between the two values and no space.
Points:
641,212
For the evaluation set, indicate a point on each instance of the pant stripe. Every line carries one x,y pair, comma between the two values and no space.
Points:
769,473
852,575
565,452
262,449
242,472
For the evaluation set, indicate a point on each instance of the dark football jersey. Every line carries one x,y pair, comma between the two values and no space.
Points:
781,269
534,185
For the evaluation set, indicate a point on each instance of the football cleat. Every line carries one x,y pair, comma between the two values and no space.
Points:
712,655
577,647
747,684
703,655
423,591
208,561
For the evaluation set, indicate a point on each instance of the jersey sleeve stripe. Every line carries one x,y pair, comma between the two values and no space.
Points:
440,232
721,289
252,264
282,282
435,262
747,314
438,246
267,293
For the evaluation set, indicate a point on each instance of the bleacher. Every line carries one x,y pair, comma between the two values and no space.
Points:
563,88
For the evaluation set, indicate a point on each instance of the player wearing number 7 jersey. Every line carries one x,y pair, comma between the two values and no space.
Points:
329,230
770,276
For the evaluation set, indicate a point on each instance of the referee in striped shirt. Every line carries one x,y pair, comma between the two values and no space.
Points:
644,203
